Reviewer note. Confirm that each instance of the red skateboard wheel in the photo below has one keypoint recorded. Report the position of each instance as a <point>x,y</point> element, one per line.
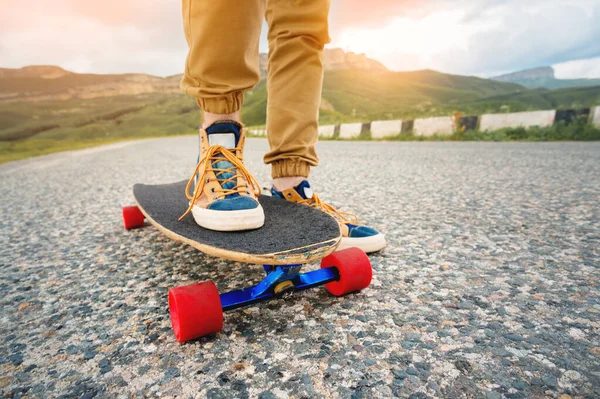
<point>354,268</point>
<point>132,217</point>
<point>195,310</point>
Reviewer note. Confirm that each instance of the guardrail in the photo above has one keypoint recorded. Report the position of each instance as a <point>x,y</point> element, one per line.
<point>447,125</point>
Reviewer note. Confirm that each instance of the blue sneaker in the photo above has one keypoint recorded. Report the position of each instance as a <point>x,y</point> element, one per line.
<point>225,193</point>
<point>353,234</point>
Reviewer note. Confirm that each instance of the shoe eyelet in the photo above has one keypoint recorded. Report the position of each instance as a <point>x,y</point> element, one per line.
<point>289,195</point>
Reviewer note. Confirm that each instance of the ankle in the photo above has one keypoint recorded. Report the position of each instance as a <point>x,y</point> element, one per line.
<point>208,118</point>
<point>284,183</point>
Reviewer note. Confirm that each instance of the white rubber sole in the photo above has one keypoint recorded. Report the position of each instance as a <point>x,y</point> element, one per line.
<point>368,244</point>
<point>246,219</point>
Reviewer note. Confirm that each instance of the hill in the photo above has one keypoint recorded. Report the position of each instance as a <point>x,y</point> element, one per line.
<point>348,95</point>
<point>544,77</point>
<point>337,59</point>
<point>577,97</point>
<point>46,82</point>
<point>359,95</point>
<point>47,108</point>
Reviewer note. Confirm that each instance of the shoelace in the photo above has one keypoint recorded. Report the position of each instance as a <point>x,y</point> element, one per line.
<point>207,161</point>
<point>316,202</point>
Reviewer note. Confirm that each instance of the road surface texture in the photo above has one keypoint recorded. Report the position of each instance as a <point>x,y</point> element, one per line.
<point>489,286</point>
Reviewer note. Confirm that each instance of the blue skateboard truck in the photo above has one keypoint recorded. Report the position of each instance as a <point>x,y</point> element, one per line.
<point>197,309</point>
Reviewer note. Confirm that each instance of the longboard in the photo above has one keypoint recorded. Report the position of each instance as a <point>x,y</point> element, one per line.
<point>292,233</point>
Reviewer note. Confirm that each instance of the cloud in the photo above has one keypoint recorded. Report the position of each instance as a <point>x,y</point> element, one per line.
<point>360,13</point>
<point>480,37</point>
<point>589,68</point>
<point>112,36</point>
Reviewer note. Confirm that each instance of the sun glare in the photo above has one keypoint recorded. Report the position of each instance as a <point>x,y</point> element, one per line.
<point>416,41</point>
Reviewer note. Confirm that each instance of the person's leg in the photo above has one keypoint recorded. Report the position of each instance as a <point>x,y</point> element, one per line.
<point>222,61</point>
<point>298,31</point>
<point>222,64</point>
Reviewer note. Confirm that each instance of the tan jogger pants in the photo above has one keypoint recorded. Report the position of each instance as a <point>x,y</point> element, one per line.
<point>222,63</point>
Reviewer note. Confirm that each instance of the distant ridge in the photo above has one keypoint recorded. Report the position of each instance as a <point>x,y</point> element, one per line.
<point>337,59</point>
<point>34,71</point>
<point>47,82</point>
<point>97,107</point>
<point>533,73</point>
<point>544,77</point>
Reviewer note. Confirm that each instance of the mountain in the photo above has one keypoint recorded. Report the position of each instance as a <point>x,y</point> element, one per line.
<point>571,97</point>
<point>367,95</point>
<point>48,104</point>
<point>39,83</point>
<point>44,82</point>
<point>337,59</point>
<point>34,71</point>
<point>51,103</point>
<point>544,77</point>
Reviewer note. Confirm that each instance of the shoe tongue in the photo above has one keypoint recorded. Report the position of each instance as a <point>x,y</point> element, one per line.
<point>304,189</point>
<point>226,134</point>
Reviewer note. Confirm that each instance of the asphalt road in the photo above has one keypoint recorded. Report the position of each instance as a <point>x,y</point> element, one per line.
<point>489,286</point>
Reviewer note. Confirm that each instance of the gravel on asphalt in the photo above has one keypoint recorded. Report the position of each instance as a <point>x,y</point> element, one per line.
<point>489,286</point>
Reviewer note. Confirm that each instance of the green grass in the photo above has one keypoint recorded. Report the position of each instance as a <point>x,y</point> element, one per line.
<point>100,118</point>
<point>76,124</point>
<point>579,131</point>
<point>559,132</point>
<point>362,96</point>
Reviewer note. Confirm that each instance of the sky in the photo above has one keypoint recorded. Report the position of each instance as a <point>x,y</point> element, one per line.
<point>467,37</point>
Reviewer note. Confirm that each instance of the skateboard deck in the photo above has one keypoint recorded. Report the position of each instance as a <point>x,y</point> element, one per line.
<point>292,233</point>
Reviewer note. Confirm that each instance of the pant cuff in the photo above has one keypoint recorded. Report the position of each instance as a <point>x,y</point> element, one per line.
<point>289,168</point>
<point>222,105</point>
